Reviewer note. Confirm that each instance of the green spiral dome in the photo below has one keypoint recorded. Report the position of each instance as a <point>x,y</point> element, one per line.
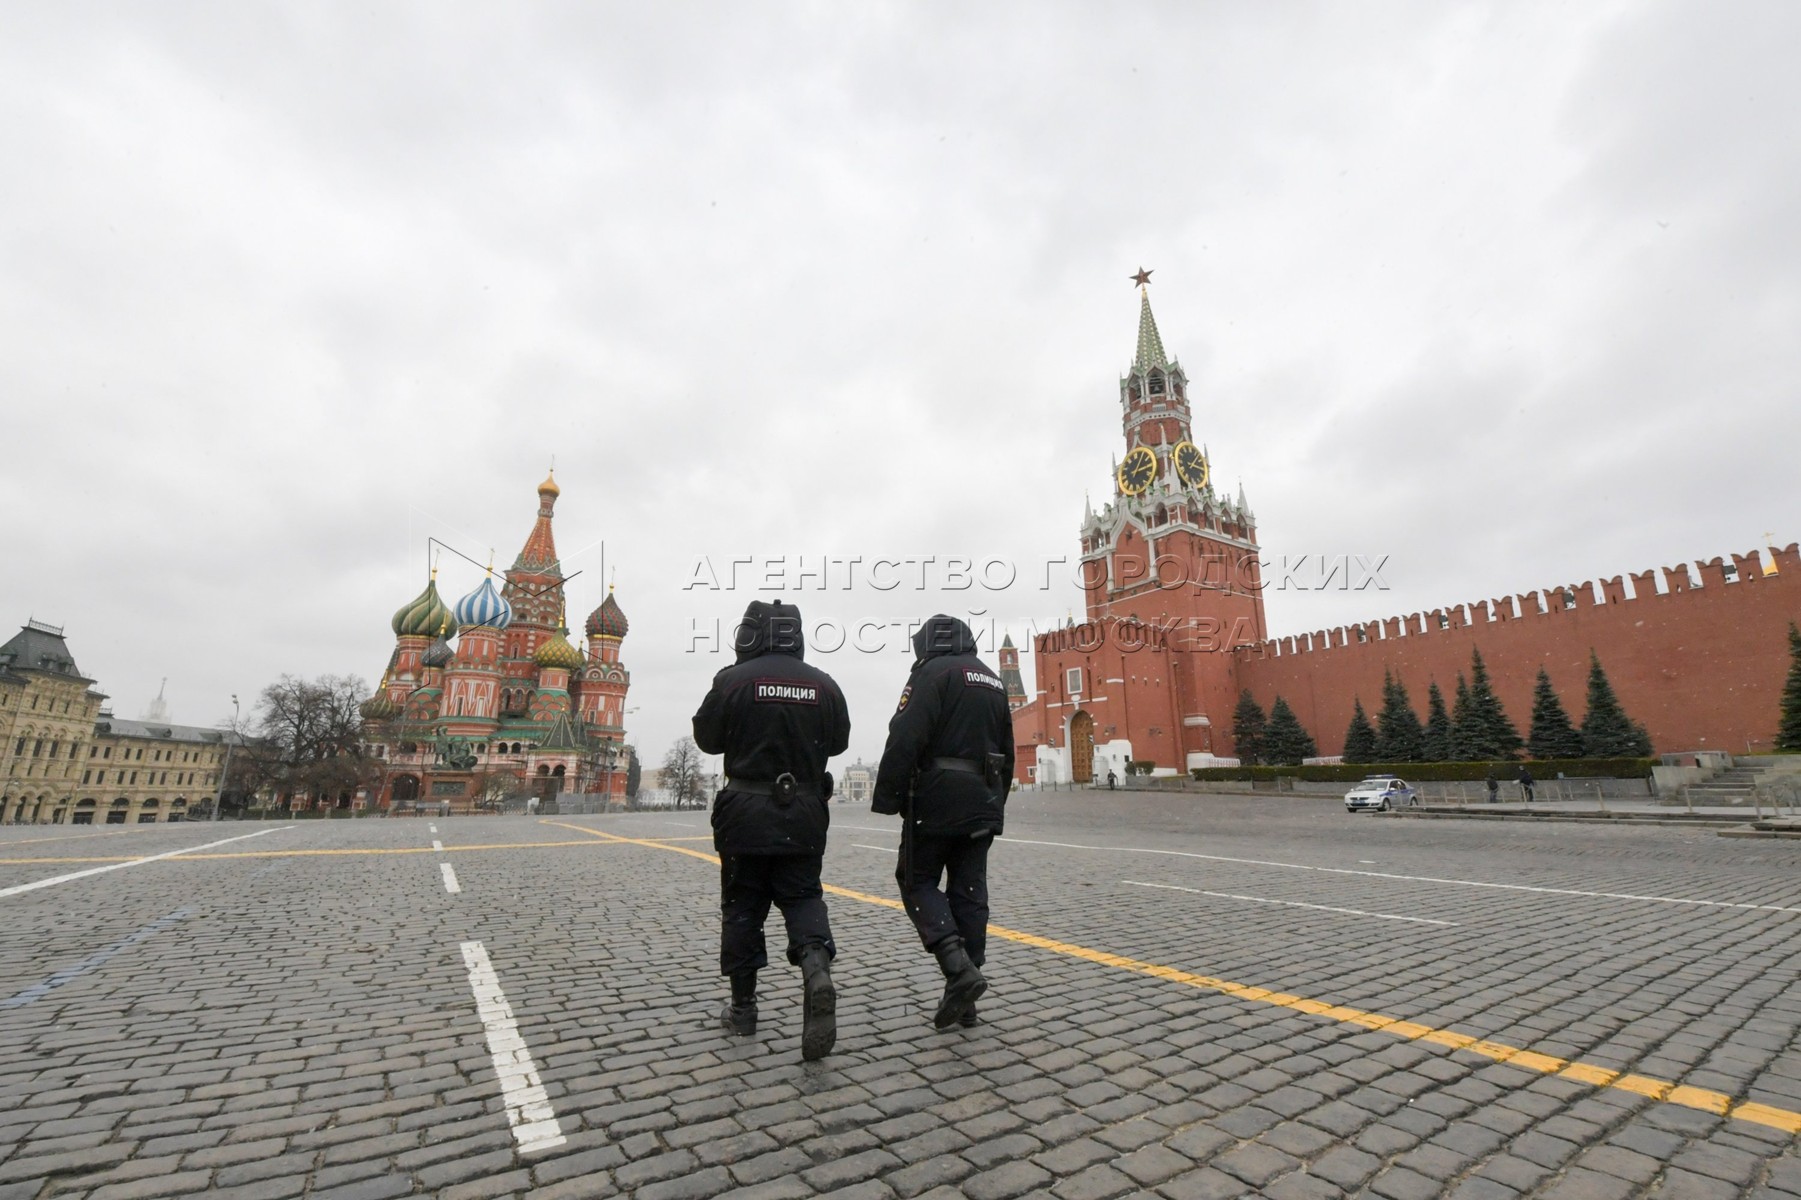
<point>426,616</point>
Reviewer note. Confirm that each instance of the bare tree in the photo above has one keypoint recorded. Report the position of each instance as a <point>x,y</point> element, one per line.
<point>683,774</point>
<point>492,787</point>
<point>309,738</point>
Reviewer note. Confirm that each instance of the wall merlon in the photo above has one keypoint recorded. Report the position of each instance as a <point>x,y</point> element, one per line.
<point>1501,608</point>
<point>1391,628</point>
<point>1713,573</point>
<point>1613,591</point>
<point>1750,566</point>
<point>1531,604</point>
<point>1788,559</point>
<point>1676,579</point>
<point>1644,583</point>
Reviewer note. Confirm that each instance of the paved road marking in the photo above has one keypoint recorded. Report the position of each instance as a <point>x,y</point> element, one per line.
<point>19,889</point>
<point>1353,912</point>
<point>431,829</point>
<point>99,958</point>
<point>324,853</point>
<point>529,1112</point>
<point>1475,883</point>
<point>450,879</point>
<point>1518,1056</point>
<point>76,837</point>
<point>437,845</point>
<point>882,849</point>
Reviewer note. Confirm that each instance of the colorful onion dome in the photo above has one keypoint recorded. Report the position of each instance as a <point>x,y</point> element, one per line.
<point>422,704</point>
<point>484,606</point>
<point>608,620</point>
<point>438,654</point>
<point>549,486</point>
<point>426,615</point>
<point>379,707</point>
<point>557,652</point>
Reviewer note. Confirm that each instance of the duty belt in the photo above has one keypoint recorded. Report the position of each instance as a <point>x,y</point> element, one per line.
<point>968,766</point>
<point>767,787</point>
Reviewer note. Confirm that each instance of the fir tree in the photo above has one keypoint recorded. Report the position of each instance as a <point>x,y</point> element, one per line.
<point>1435,746</point>
<point>1553,736</point>
<point>1494,739</point>
<point>1788,732</point>
<point>1607,732</point>
<point>1402,738</point>
<point>1248,728</point>
<point>1286,741</point>
<point>1464,736</point>
<point>1360,738</point>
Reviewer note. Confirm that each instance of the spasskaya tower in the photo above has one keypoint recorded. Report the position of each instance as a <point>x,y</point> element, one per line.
<point>1170,580</point>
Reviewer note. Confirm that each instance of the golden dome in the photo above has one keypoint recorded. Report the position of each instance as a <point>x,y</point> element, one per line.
<point>549,486</point>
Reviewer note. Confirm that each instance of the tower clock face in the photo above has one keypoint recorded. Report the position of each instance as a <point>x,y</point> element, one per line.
<point>1137,471</point>
<point>1191,465</point>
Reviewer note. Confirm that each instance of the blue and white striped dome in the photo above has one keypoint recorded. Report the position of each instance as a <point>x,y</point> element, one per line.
<point>484,606</point>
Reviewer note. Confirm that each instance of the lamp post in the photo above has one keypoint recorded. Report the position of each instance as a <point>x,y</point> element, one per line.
<point>219,792</point>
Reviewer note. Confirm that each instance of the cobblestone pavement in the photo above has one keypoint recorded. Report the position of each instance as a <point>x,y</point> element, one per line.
<point>1193,997</point>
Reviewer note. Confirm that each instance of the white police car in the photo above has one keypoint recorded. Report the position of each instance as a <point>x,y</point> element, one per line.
<point>1380,792</point>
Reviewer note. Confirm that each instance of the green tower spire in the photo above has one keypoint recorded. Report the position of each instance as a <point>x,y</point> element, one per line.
<point>1150,345</point>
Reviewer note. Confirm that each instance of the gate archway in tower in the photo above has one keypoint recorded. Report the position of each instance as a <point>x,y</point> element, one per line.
<point>1081,748</point>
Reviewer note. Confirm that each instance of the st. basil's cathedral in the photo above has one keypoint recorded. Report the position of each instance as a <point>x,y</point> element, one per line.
<point>512,706</point>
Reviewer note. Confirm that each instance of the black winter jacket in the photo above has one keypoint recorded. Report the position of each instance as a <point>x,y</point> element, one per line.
<point>953,706</point>
<point>769,714</point>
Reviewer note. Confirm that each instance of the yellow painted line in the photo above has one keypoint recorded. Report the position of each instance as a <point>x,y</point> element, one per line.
<point>75,837</point>
<point>1516,1056</point>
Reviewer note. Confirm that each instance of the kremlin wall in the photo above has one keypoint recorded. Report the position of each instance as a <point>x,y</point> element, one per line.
<point>1701,665</point>
<point>1174,628</point>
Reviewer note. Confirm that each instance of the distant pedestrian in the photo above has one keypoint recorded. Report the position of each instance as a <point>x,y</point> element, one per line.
<point>1494,787</point>
<point>1526,783</point>
<point>1112,780</point>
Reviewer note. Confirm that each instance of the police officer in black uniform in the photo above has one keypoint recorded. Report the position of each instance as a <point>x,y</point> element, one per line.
<point>776,720</point>
<point>946,770</point>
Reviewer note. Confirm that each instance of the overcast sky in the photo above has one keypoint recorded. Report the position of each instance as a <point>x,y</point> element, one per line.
<point>1505,293</point>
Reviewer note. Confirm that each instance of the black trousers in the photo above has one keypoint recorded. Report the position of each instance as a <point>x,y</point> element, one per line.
<point>961,909</point>
<point>748,885</point>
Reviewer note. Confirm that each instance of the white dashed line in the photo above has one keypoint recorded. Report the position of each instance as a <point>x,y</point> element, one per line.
<point>18,889</point>
<point>431,829</point>
<point>1475,883</point>
<point>883,849</point>
<point>1349,912</point>
<point>450,879</point>
<point>436,844</point>
<point>534,1122</point>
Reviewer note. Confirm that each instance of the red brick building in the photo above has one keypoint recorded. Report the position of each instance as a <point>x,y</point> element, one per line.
<point>1174,627</point>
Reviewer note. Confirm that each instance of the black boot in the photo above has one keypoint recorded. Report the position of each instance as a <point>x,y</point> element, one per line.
<point>819,1022</point>
<point>963,983</point>
<point>969,1020</point>
<point>740,1013</point>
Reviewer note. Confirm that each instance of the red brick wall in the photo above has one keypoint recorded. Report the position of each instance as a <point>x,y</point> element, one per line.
<point>1701,667</point>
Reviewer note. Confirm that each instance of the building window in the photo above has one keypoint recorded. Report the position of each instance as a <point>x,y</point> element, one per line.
<point>85,774</point>
<point>1072,681</point>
